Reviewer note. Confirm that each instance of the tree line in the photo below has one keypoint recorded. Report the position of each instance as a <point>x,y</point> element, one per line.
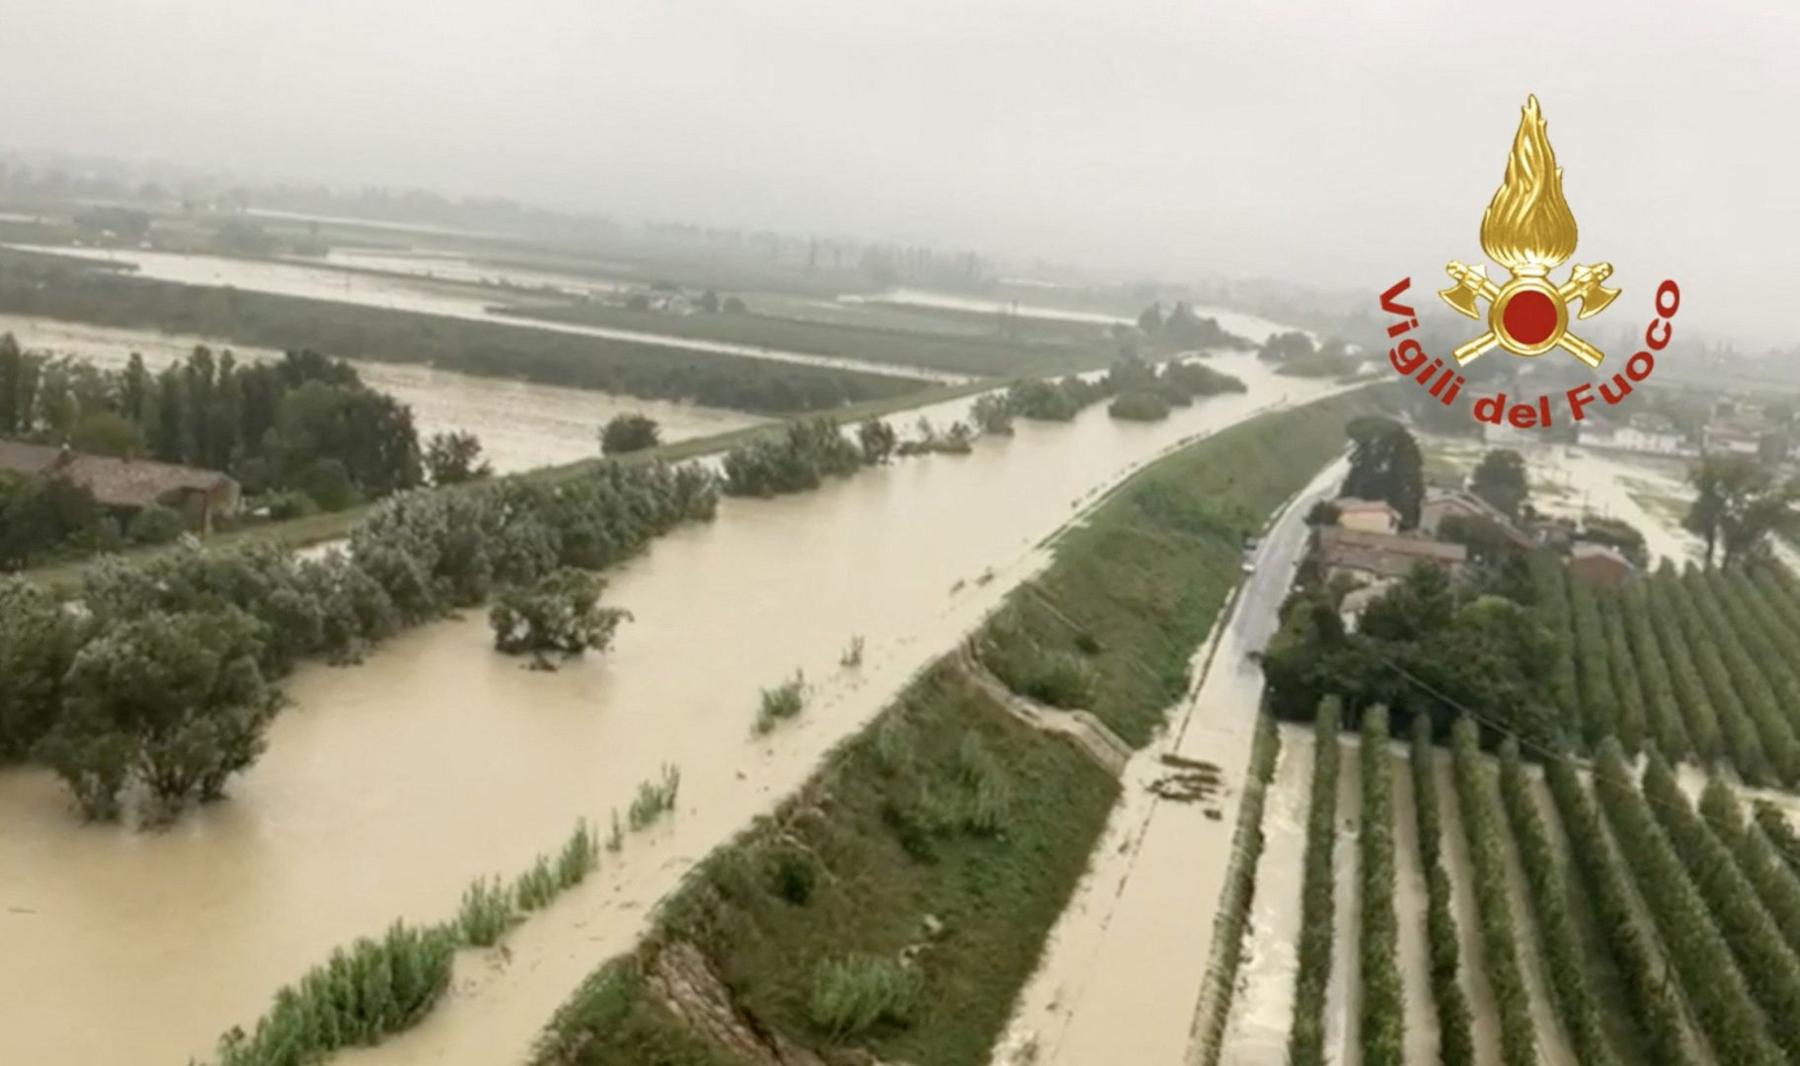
<point>163,686</point>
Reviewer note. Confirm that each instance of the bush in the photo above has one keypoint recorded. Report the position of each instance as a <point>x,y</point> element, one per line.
<point>452,458</point>
<point>376,988</point>
<point>1306,1041</point>
<point>854,994</point>
<point>798,461</point>
<point>780,703</point>
<point>486,913</point>
<point>1139,407</point>
<point>155,524</point>
<point>655,798</point>
<point>794,875</point>
<point>629,433</point>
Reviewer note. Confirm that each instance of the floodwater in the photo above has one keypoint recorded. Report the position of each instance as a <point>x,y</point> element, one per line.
<point>1552,1039</point>
<point>449,266</point>
<point>1253,327</point>
<point>1122,974</point>
<point>406,293</point>
<point>1343,993</point>
<point>1411,900</point>
<point>521,425</point>
<point>389,786</point>
<point>1483,1009</point>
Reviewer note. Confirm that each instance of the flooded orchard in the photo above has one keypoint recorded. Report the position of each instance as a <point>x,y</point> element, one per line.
<point>522,425</point>
<point>389,786</point>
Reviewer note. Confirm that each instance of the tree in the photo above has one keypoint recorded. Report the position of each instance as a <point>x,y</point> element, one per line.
<point>105,433</point>
<point>1150,320</point>
<point>992,413</point>
<point>877,440</point>
<point>174,701</point>
<point>455,457</point>
<point>629,433</point>
<point>559,613</point>
<point>1500,479</point>
<point>1385,464</point>
<point>1738,503</point>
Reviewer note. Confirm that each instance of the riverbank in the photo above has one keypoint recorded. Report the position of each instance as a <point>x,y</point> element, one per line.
<point>947,835</point>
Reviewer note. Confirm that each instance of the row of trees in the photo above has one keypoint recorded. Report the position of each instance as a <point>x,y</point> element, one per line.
<point>1306,1039</point>
<point>1558,941</point>
<point>1715,989</point>
<point>1383,1001</point>
<point>1456,1038</point>
<point>163,686</point>
<point>1144,393</point>
<point>1475,809</point>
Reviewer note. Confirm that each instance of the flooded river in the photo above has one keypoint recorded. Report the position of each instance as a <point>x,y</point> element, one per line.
<point>405,292</point>
<point>1253,327</point>
<point>387,787</point>
<point>521,425</point>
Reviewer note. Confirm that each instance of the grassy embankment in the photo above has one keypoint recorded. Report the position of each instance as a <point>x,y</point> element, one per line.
<point>1056,353</point>
<point>900,899</point>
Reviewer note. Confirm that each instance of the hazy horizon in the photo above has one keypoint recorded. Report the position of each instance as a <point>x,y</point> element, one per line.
<point>1309,143</point>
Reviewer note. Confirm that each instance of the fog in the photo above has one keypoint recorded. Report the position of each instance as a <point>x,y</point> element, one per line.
<point>1343,145</point>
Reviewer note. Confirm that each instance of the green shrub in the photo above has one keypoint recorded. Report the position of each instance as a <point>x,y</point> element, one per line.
<point>536,886</point>
<point>579,856</point>
<point>854,994</point>
<point>780,703</point>
<point>655,798</point>
<point>486,913</point>
<point>794,874</point>
<point>155,524</point>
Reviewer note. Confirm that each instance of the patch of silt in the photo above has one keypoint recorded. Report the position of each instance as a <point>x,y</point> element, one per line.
<point>1186,780</point>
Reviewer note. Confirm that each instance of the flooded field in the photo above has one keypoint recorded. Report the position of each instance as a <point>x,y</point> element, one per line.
<point>521,425</point>
<point>1254,327</point>
<point>389,786</point>
<point>399,292</point>
<point>448,266</point>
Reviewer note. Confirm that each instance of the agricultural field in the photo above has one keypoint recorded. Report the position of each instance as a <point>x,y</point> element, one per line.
<point>1632,896</point>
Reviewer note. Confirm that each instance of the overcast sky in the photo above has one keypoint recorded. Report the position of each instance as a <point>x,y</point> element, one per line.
<point>1346,143</point>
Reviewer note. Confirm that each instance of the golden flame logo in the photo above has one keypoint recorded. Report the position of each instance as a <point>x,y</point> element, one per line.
<point>1528,227</point>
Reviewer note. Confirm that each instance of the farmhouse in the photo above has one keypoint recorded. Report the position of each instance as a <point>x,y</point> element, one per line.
<point>1369,516</point>
<point>1459,503</point>
<point>1370,556</point>
<point>201,496</point>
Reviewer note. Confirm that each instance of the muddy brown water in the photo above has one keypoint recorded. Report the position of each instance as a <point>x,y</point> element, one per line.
<point>521,425</point>
<point>389,786</point>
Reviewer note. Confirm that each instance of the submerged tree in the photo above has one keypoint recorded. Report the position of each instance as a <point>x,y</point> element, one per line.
<point>1739,503</point>
<point>560,613</point>
<point>1500,480</point>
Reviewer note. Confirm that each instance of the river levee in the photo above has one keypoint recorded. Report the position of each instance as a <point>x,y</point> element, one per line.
<point>389,786</point>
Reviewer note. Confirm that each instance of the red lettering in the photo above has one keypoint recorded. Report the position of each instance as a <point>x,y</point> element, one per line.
<point>1393,307</point>
<point>1667,288</point>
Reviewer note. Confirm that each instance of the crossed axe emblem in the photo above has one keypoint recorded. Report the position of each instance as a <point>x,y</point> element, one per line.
<point>1528,315</point>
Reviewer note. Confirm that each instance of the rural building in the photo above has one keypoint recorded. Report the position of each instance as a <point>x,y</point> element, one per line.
<point>1369,516</point>
<point>1644,435</point>
<point>1598,564</point>
<point>1367,556</point>
<point>1460,503</point>
<point>1731,440</point>
<point>130,484</point>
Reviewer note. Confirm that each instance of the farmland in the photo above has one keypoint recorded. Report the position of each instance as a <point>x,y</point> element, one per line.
<point>1589,901</point>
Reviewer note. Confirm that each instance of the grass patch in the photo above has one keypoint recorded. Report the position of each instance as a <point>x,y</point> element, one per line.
<point>782,702</point>
<point>655,798</point>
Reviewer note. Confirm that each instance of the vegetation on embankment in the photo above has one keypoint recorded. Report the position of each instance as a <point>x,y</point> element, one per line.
<point>61,288</point>
<point>981,356</point>
<point>947,836</point>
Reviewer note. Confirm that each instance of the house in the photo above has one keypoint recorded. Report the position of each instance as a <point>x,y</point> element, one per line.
<point>1644,434</point>
<point>1371,557</point>
<point>132,484</point>
<point>1731,440</point>
<point>1370,516</point>
<point>1460,503</point>
<point>1598,564</point>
